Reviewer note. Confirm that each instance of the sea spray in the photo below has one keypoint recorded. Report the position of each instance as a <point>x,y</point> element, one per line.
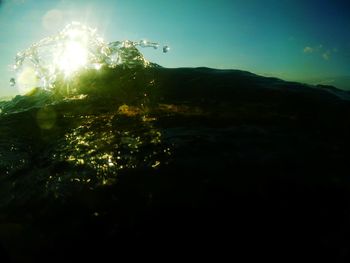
<point>75,48</point>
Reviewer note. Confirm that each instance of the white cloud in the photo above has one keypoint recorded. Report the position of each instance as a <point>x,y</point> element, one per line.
<point>320,50</point>
<point>308,49</point>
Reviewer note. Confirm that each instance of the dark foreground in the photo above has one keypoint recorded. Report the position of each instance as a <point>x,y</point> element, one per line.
<point>175,163</point>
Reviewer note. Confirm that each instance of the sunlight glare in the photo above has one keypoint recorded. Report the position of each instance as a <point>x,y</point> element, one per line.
<point>72,56</point>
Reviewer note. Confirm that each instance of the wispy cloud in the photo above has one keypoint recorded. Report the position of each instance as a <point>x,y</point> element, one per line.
<point>308,49</point>
<point>319,50</point>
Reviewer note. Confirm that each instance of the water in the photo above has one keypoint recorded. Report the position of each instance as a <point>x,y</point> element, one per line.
<point>90,147</point>
<point>75,48</point>
<point>139,155</point>
<point>83,140</point>
<point>148,158</point>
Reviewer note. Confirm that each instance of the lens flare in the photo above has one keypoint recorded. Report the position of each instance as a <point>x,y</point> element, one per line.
<point>27,80</point>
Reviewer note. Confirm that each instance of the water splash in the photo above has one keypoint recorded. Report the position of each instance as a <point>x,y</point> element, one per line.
<point>75,48</point>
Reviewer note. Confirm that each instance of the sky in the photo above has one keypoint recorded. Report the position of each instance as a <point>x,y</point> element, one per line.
<point>290,39</point>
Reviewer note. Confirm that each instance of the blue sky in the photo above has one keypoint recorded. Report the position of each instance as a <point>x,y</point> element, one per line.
<point>291,39</point>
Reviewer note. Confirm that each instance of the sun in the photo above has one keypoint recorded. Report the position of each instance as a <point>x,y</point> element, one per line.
<point>71,58</point>
<point>72,55</point>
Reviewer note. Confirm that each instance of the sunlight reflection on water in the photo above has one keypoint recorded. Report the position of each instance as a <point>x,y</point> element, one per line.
<point>100,149</point>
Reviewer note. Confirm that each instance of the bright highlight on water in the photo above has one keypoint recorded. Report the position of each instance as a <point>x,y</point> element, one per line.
<point>75,48</point>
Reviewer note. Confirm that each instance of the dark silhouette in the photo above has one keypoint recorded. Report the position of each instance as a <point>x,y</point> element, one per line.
<point>187,162</point>
<point>4,256</point>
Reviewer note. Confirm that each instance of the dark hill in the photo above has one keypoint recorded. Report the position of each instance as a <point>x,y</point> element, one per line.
<point>163,163</point>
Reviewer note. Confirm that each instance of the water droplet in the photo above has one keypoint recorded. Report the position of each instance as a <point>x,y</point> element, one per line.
<point>12,82</point>
<point>166,49</point>
<point>157,163</point>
